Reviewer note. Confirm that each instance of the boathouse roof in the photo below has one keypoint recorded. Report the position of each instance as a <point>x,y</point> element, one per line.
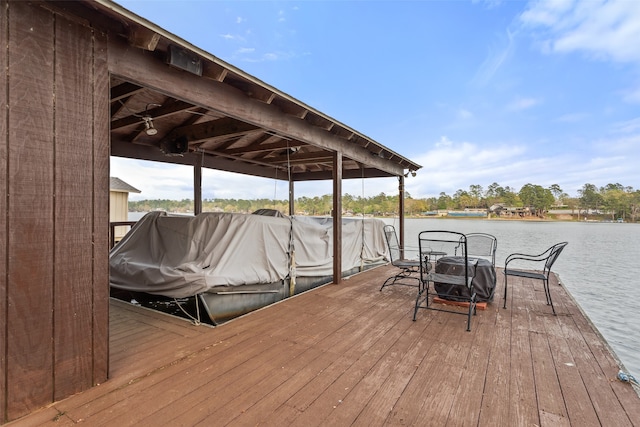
<point>203,117</point>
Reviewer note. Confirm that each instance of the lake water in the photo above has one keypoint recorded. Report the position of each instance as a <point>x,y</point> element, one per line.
<point>600,267</point>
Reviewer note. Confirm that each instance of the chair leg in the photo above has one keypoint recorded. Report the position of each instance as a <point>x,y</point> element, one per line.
<point>422,290</point>
<point>548,295</point>
<point>415,308</point>
<point>385,282</point>
<point>405,274</point>
<point>505,292</point>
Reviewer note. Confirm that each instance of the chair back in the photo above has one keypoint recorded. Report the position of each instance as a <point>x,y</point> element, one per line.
<point>554,253</point>
<point>437,244</point>
<point>482,245</point>
<point>392,243</point>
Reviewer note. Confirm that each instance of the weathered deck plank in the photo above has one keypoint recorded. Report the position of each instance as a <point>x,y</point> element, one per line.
<point>351,355</point>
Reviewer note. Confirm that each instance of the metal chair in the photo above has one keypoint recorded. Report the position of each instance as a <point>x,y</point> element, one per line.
<point>482,245</point>
<point>454,285</point>
<point>548,257</point>
<point>407,266</point>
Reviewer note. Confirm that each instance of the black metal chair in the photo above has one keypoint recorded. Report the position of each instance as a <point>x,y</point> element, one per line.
<point>454,284</point>
<point>548,257</point>
<point>482,245</point>
<point>408,267</point>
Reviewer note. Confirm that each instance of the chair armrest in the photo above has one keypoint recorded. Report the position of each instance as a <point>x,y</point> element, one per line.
<point>528,257</point>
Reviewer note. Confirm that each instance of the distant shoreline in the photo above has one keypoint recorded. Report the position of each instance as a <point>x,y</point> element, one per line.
<point>550,218</point>
<point>554,218</point>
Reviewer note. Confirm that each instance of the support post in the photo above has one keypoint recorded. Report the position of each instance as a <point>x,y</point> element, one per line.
<point>292,208</point>
<point>197,185</point>
<point>401,213</point>
<point>337,217</point>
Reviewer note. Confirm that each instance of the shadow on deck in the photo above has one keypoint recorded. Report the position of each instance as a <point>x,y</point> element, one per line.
<point>351,355</point>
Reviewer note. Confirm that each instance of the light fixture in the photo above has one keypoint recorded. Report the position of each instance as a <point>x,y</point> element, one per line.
<point>413,173</point>
<point>148,126</point>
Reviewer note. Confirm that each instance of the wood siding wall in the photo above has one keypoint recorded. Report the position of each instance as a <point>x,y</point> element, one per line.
<point>54,162</point>
<point>119,211</point>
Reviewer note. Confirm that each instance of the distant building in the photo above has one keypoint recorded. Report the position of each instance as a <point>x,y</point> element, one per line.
<point>119,204</point>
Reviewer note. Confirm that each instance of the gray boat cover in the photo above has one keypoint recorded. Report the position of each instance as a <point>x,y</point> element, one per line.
<point>180,256</point>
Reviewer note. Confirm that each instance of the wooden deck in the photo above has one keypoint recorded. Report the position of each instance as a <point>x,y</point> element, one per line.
<point>351,355</point>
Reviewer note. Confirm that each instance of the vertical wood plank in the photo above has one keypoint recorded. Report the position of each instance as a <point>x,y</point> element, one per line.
<point>4,25</point>
<point>73,208</point>
<point>30,210</point>
<point>101,151</point>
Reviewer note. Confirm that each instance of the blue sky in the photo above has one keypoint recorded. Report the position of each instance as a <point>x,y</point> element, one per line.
<point>513,92</point>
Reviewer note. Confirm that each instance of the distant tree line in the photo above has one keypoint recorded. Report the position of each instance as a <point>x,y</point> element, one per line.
<point>612,200</point>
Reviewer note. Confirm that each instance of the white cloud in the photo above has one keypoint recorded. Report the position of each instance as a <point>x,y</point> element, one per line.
<point>600,28</point>
<point>175,182</point>
<point>632,96</point>
<point>547,12</point>
<point>448,165</point>
<point>572,118</point>
<point>523,104</point>
<point>489,4</point>
<point>465,114</point>
<point>451,165</point>
<point>495,59</point>
<point>627,126</point>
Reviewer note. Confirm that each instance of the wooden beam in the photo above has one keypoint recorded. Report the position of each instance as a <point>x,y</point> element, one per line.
<point>144,38</point>
<point>124,90</point>
<point>263,145</point>
<point>298,158</point>
<point>225,127</point>
<point>155,113</point>
<point>153,73</point>
<point>346,174</point>
<point>145,152</point>
<point>337,217</point>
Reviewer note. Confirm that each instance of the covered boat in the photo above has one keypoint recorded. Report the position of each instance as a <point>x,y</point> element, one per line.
<point>236,263</point>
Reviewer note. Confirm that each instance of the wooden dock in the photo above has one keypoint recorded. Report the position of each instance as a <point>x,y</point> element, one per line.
<point>350,355</point>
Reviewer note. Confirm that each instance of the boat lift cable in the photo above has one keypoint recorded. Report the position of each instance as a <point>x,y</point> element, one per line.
<point>292,251</point>
<point>195,320</point>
